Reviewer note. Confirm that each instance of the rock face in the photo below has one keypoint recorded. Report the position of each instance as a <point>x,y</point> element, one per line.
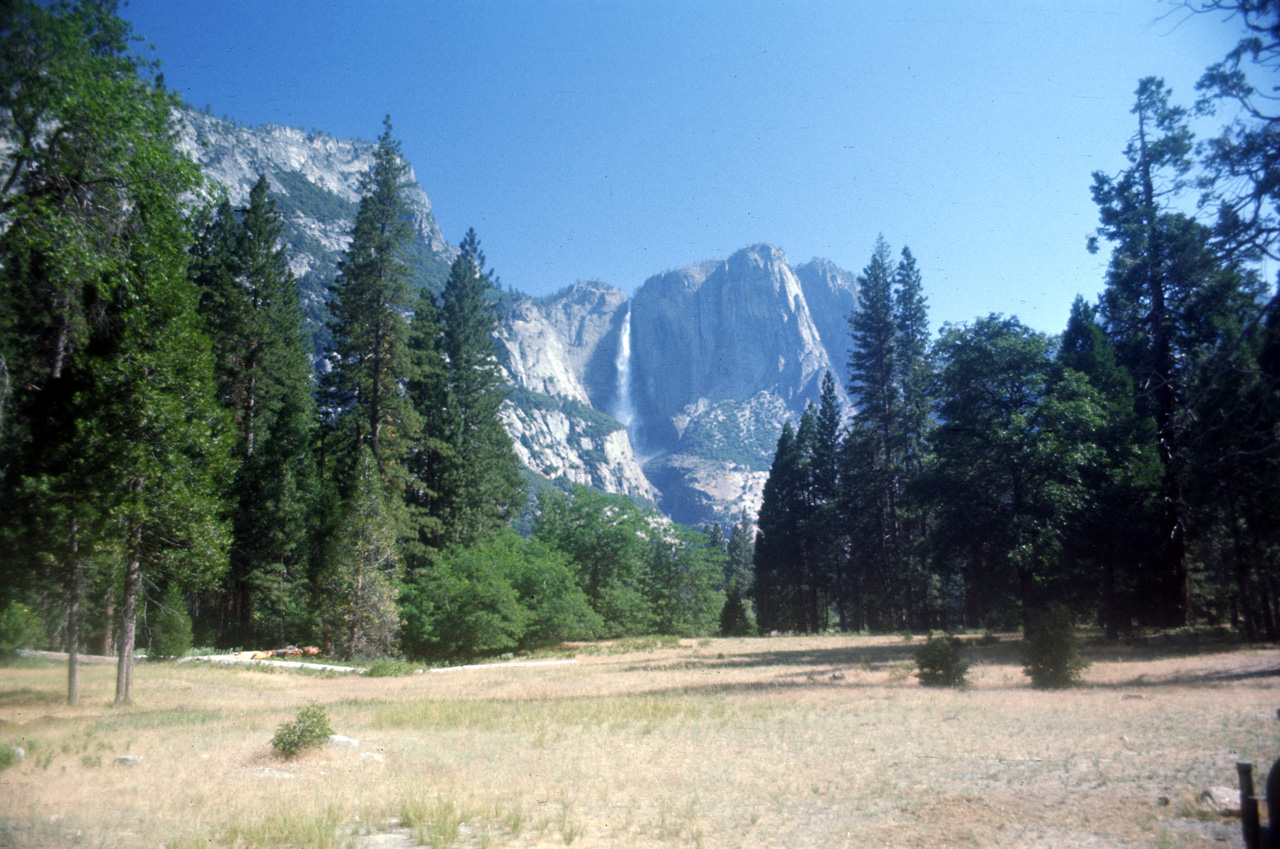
<point>720,331</point>
<point>698,372</point>
<point>315,181</point>
<point>676,395</point>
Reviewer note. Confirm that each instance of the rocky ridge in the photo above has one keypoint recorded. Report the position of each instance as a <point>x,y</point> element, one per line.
<point>675,395</point>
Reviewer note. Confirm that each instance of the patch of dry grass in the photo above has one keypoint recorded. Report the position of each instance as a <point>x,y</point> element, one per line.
<point>782,742</point>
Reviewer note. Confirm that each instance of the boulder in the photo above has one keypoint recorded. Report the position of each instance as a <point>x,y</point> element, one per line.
<point>346,742</point>
<point>1224,801</point>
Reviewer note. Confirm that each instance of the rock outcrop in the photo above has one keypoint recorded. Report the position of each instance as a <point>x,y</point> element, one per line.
<point>676,395</point>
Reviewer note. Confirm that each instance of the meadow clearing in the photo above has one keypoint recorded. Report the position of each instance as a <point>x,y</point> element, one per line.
<point>821,741</point>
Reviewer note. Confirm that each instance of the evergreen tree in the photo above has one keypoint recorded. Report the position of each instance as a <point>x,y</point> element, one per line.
<point>478,480</point>
<point>370,300</point>
<point>361,569</point>
<point>779,548</point>
<point>740,552</point>
<point>824,528</point>
<point>426,386</point>
<point>886,444</point>
<point>1109,532</point>
<point>252,312</point>
<point>1164,285</point>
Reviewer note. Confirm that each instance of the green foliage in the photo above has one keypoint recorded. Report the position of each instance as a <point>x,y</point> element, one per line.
<point>1017,433</point>
<point>370,300</point>
<point>734,619</point>
<point>497,595</point>
<point>940,663</point>
<point>1051,649</point>
<point>684,578</point>
<point>249,301</point>
<point>170,626</point>
<point>385,667</point>
<point>362,565</point>
<point>308,730</point>
<point>477,474</point>
<point>606,537</point>
<point>20,628</point>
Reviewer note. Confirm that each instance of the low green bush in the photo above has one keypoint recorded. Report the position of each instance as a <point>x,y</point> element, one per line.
<point>385,667</point>
<point>19,629</point>
<point>9,756</point>
<point>1051,650</point>
<point>309,729</point>
<point>939,662</point>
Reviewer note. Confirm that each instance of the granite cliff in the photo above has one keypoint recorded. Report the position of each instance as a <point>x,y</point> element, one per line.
<point>675,395</point>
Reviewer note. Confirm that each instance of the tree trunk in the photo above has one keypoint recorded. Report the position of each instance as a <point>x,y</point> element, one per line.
<point>74,591</point>
<point>108,627</point>
<point>128,619</point>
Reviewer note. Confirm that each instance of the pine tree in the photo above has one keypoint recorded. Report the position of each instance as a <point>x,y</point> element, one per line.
<point>1160,293</point>
<point>362,567</point>
<point>779,547</point>
<point>741,553</point>
<point>370,300</point>
<point>478,483</point>
<point>875,468</point>
<point>252,311</point>
<point>1109,530</point>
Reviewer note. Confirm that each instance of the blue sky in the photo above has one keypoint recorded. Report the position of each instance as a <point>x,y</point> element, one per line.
<point>616,140</point>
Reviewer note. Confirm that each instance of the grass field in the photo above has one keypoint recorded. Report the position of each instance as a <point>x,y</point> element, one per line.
<point>782,742</point>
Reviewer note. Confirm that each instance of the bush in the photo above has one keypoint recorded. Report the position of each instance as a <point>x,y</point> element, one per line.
<point>310,728</point>
<point>939,662</point>
<point>9,756</point>
<point>1051,650</point>
<point>385,667</point>
<point>19,629</point>
<point>171,627</point>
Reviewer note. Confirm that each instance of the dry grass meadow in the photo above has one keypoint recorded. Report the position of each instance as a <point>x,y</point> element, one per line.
<point>782,742</point>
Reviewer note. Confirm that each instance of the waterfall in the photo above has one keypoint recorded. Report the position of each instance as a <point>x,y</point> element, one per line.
<point>622,409</point>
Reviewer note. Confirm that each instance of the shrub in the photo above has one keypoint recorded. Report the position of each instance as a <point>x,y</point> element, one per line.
<point>987,639</point>
<point>1051,650</point>
<point>939,662</point>
<point>310,728</point>
<point>19,629</point>
<point>385,667</point>
<point>171,626</point>
<point>9,756</point>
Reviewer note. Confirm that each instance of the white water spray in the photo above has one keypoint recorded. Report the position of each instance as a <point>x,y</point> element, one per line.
<point>623,411</point>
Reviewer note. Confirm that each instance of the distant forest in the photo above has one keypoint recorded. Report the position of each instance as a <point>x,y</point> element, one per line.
<point>174,473</point>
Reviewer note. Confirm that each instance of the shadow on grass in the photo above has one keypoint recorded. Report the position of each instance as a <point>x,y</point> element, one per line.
<point>826,666</point>
<point>28,697</point>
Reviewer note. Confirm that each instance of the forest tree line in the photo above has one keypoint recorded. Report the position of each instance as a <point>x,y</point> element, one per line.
<point>1128,467</point>
<point>175,469</point>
